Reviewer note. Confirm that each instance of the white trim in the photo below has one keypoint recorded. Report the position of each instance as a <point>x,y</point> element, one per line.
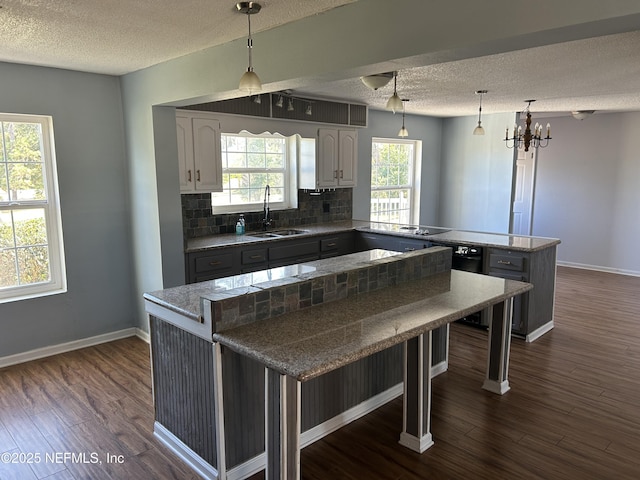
<point>195,461</point>
<point>142,335</point>
<point>67,347</point>
<point>316,433</point>
<point>538,332</point>
<point>583,266</point>
<point>495,386</point>
<point>418,445</point>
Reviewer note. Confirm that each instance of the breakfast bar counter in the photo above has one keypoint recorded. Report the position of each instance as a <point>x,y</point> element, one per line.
<point>247,370</point>
<point>303,345</point>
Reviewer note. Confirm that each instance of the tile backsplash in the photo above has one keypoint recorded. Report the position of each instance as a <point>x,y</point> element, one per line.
<point>198,220</point>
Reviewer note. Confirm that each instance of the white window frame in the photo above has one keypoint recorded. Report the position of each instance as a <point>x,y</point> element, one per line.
<point>290,187</point>
<point>414,177</point>
<point>51,204</point>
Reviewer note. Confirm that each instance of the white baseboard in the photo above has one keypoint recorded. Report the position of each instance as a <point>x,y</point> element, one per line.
<point>187,455</point>
<point>258,462</point>
<point>70,346</point>
<point>537,333</point>
<point>597,268</point>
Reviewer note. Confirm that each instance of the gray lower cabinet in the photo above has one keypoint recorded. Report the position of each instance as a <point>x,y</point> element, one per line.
<point>233,260</point>
<point>208,265</point>
<point>534,309</point>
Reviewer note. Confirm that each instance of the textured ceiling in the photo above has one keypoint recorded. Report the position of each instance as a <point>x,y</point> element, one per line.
<point>600,74</point>
<point>120,36</point>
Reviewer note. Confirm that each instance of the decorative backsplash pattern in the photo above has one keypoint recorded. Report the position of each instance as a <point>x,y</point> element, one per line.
<point>330,206</point>
<point>231,309</point>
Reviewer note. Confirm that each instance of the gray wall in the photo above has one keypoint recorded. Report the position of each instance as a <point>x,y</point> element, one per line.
<point>453,30</point>
<point>588,191</point>
<point>386,125</point>
<point>476,174</point>
<point>89,144</point>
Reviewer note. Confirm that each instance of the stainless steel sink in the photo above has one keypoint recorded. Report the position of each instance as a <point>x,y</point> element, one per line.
<point>277,233</point>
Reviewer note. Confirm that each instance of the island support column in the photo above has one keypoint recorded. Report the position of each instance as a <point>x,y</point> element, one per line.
<point>499,345</point>
<point>282,426</point>
<point>416,422</point>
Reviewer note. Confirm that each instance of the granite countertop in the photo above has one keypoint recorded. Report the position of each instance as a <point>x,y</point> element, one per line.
<point>185,299</point>
<point>431,233</point>
<point>313,341</point>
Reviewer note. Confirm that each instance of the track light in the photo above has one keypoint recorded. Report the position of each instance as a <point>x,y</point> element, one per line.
<point>290,106</point>
<point>249,82</point>
<point>280,102</point>
<point>308,111</point>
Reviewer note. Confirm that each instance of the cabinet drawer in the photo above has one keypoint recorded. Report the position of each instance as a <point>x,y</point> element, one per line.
<point>214,262</point>
<point>508,275</point>
<point>329,244</point>
<point>254,256</point>
<point>294,250</point>
<point>507,262</point>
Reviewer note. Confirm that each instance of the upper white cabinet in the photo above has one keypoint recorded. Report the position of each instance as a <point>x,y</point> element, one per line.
<point>199,154</point>
<point>336,159</point>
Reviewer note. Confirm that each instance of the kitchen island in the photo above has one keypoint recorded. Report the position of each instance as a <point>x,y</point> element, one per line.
<point>323,327</point>
<point>517,257</point>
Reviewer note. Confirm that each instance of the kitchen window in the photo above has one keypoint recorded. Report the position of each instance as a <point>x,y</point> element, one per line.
<point>250,163</point>
<point>394,176</point>
<point>31,247</point>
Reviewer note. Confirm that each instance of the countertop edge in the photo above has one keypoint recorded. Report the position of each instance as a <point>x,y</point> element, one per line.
<point>233,240</point>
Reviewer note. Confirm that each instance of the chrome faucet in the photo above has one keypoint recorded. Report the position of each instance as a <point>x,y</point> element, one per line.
<point>266,221</point>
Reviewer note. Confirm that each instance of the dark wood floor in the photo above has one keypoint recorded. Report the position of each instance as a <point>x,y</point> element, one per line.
<point>573,411</point>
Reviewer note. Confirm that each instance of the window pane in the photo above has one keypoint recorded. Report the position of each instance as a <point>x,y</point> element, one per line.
<point>8,270</point>
<point>275,145</point>
<point>236,160</point>
<point>26,181</point>
<point>22,141</point>
<point>275,161</point>
<point>236,144</point>
<point>256,160</point>
<point>33,265</point>
<point>255,145</point>
<point>6,229</point>
<point>4,186</point>
<point>30,227</point>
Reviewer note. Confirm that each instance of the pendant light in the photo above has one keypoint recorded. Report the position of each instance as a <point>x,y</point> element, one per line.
<point>249,82</point>
<point>403,131</point>
<point>479,130</point>
<point>394,103</point>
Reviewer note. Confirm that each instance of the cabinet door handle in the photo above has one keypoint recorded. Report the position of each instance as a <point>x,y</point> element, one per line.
<point>331,244</point>
<point>335,174</point>
<point>214,263</point>
<point>341,173</point>
<point>189,175</point>
<point>409,249</point>
<point>504,262</point>
<point>255,257</point>
<point>198,175</point>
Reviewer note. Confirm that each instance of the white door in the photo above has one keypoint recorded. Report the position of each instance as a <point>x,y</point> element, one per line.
<point>522,213</point>
<point>347,157</point>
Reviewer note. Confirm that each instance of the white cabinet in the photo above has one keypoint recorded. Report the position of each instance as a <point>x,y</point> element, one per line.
<point>336,160</point>
<point>199,154</point>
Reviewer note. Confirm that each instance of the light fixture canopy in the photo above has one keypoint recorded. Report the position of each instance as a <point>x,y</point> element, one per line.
<point>249,82</point>
<point>403,131</point>
<point>479,130</point>
<point>379,80</point>
<point>395,102</point>
<point>582,114</point>
<point>526,139</point>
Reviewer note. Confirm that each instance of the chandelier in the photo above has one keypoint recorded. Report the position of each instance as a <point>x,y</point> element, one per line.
<point>527,138</point>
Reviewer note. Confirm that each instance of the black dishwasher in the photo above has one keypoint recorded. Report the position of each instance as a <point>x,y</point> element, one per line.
<point>469,259</point>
